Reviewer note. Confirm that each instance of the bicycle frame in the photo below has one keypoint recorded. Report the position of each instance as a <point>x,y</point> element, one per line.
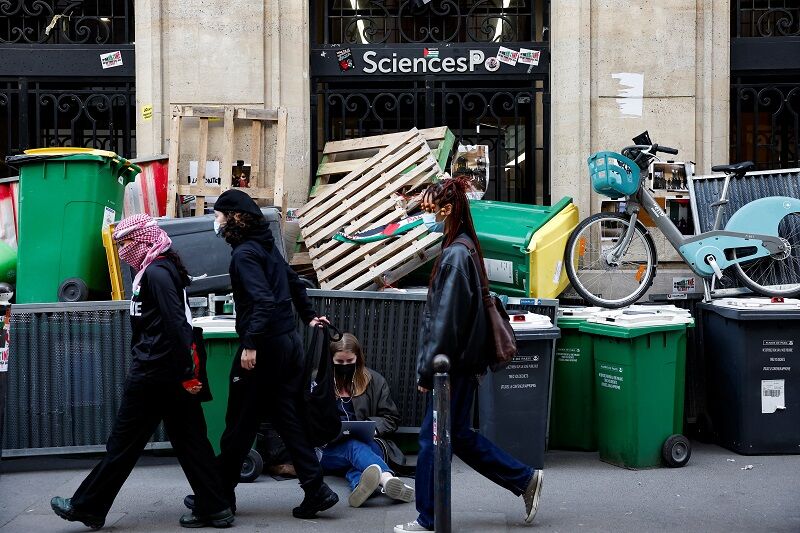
<point>708,254</point>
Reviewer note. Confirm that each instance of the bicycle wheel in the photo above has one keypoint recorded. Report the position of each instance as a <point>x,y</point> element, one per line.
<point>599,281</point>
<point>776,275</point>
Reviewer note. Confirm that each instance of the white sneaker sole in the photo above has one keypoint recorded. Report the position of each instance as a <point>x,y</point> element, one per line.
<point>397,490</point>
<point>536,494</point>
<point>370,479</point>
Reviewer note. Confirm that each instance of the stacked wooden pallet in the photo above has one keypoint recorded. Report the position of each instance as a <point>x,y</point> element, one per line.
<point>339,158</point>
<point>381,189</point>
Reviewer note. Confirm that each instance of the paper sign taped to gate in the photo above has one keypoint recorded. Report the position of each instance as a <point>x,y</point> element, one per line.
<point>500,271</point>
<point>773,395</point>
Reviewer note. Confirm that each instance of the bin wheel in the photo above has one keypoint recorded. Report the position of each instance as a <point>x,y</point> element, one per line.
<point>73,290</point>
<point>676,451</point>
<point>252,467</point>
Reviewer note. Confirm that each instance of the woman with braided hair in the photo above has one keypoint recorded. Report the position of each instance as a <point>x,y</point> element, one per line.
<point>454,324</point>
<point>162,384</point>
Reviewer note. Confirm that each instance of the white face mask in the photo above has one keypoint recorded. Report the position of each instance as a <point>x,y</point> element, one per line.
<point>429,219</point>
<point>218,228</point>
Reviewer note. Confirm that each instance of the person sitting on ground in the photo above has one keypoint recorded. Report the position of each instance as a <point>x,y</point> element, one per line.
<point>362,394</point>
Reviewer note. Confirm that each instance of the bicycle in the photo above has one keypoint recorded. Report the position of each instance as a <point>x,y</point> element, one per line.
<point>611,259</point>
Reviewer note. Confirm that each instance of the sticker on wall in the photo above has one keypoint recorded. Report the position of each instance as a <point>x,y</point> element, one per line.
<point>492,64</point>
<point>345,59</point>
<point>431,53</point>
<point>529,57</point>
<point>111,59</point>
<point>147,112</point>
<point>630,95</point>
<point>683,285</point>
<point>507,56</point>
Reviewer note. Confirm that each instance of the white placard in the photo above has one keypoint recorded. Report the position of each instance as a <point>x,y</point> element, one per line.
<point>773,395</point>
<point>111,59</point>
<point>500,271</point>
<point>212,172</point>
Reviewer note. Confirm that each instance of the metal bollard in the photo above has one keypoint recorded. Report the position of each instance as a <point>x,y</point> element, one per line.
<point>441,441</point>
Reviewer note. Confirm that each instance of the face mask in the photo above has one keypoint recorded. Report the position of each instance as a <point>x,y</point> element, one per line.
<point>344,373</point>
<point>218,228</point>
<point>133,253</point>
<point>429,219</point>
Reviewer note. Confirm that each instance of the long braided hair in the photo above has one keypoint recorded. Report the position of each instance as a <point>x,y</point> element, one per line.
<point>453,191</point>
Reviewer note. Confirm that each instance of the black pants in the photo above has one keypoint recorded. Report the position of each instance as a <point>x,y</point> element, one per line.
<point>144,405</point>
<point>274,390</point>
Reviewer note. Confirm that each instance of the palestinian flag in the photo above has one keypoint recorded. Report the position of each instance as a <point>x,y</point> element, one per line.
<point>380,233</point>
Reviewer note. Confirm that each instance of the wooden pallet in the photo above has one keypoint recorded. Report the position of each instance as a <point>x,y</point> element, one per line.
<point>374,193</point>
<point>341,157</point>
<point>258,118</point>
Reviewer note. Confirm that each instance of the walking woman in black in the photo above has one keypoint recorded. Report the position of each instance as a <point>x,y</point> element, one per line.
<point>162,384</point>
<point>267,373</point>
<point>455,324</point>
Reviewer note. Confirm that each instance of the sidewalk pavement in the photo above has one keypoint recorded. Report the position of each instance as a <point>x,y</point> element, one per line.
<point>713,493</point>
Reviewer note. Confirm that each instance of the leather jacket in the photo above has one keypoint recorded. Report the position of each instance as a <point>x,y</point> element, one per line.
<point>454,320</point>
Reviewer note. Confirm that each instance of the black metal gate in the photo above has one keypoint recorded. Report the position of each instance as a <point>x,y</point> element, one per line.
<point>765,83</point>
<point>509,112</point>
<point>55,89</point>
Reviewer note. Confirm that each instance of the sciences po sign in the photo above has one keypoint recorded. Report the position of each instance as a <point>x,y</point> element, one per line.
<point>442,60</point>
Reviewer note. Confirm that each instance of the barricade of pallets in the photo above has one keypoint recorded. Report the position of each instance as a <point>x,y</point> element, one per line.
<point>379,190</point>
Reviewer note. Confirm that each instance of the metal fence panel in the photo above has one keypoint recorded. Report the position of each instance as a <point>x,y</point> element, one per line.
<point>67,368</point>
<point>388,327</point>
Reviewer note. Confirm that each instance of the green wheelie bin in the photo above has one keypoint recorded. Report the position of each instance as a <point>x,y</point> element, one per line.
<point>639,377</point>
<point>222,343</point>
<point>66,197</point>
<point>573,422</point>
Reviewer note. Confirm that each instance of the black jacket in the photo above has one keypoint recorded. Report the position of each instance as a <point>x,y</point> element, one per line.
<point>162,337</point>
<point>376,404</point>
<point>454,320</point>
<point>264,286</point>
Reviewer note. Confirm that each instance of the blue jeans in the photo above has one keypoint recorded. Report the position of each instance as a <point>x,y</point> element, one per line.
<point>470,446</point>
<point>350,457</point>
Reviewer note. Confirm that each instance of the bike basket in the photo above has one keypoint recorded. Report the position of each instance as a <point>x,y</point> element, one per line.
<point>613,174</point>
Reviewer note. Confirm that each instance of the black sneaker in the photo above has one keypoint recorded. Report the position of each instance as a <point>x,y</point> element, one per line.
<point>221,519</point>
<point>324,498</point>
<point>188,501</point>
<point>63,508</point>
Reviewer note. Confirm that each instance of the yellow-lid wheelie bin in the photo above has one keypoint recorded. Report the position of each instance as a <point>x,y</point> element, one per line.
<point>66,196</point>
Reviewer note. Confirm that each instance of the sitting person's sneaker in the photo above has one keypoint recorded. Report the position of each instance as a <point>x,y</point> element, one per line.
<point>63,508</point>
<point>221,519</point>
<point>411,526</point>
<point>370,479</point>
<point>397,490</point>
<point>188,501</point>
<point>531,495</point>
<point>323,498</point>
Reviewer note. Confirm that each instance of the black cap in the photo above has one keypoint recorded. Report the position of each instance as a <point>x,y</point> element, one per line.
<point>237,201</point>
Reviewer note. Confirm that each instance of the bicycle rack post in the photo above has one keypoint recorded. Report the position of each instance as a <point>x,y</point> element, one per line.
<point>441,442</point>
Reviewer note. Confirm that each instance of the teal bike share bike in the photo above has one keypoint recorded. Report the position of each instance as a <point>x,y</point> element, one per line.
<point>611,258</point>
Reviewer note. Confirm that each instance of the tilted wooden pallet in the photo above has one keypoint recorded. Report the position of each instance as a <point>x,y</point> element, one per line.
<point>341,157</point>
<point>379,191</point>
<point>258,188</point>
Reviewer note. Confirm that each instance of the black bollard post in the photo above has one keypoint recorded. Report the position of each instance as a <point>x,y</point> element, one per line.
<point>441,442</point>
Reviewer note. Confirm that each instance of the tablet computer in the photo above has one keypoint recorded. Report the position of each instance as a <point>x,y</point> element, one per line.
<point>363,430</point>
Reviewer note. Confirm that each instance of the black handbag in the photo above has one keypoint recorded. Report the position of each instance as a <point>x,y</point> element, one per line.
<point>322,415</point>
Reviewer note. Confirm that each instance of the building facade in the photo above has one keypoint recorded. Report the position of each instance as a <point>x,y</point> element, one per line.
<point>542,84</point>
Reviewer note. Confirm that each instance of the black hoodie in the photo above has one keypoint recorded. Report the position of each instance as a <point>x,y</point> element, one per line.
<point>264,287</point>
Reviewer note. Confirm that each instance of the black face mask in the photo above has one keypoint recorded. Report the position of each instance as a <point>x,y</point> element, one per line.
<point>344,373</point>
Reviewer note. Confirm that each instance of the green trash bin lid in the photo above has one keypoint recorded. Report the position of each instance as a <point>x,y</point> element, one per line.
<point>501,225</point>
<point>608,330</point>
<point>216,327</point>
<point>37,155</point>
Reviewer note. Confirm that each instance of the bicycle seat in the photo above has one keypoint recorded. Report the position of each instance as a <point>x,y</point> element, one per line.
<point>736,168</point>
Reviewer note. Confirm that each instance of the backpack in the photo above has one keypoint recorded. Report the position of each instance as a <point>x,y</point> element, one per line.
<point>323,423</point>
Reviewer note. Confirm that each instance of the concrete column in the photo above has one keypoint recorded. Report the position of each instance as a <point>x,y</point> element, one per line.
<point>570,89</point>
<point>149,134</point>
